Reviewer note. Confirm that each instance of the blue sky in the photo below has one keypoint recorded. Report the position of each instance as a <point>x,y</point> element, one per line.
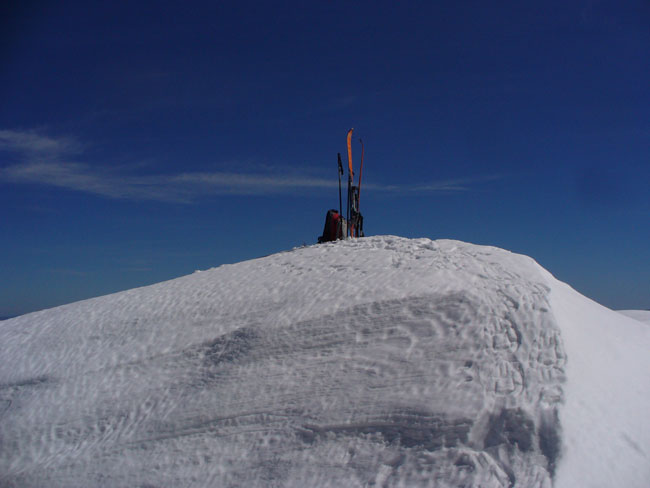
<point>144,140</point>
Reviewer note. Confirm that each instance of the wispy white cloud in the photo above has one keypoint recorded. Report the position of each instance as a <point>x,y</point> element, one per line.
<point>50,161</point>
<point>442,186</point>
<point>85,178</point>
<point>257,183</point>
<point>33,143</point>
<point>182,188</point>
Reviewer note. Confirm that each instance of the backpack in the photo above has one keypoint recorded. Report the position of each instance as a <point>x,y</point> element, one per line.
<point>335,227</point>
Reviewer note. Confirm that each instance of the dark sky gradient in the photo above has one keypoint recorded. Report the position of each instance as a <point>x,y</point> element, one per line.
<point>140,141</point>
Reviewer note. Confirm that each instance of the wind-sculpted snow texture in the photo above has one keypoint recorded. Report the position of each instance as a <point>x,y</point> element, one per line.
<point>375,362</point>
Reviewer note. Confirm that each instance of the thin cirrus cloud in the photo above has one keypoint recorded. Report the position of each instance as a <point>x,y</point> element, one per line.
<point>32,142</point>
<point>180,188</point>
<point>45,160</point>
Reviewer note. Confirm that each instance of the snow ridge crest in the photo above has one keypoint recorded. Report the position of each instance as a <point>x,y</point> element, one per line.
<point>384,360</point>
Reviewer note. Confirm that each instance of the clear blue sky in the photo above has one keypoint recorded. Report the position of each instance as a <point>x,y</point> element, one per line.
<point>140,141</point>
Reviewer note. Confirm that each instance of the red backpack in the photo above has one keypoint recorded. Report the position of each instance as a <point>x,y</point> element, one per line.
<point>334,227</point>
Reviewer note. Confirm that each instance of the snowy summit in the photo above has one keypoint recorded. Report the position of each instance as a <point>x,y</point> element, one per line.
<point>381,361</point>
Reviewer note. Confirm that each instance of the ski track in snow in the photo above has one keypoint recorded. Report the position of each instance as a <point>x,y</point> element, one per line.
<point>375,362</point>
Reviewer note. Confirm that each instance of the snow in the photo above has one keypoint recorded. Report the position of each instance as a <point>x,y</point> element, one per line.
<point>640,315</point>
<point>605,418</point>
<point>380,361</point>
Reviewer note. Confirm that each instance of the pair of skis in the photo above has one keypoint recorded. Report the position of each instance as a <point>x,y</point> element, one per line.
<point>354,217</point>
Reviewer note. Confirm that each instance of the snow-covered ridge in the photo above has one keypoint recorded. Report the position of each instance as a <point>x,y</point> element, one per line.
<point>640,315</point>
<point>382,361</point>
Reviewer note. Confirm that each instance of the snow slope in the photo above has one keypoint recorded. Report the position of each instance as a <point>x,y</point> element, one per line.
<point>374,362</point>
<point>640,315</point>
